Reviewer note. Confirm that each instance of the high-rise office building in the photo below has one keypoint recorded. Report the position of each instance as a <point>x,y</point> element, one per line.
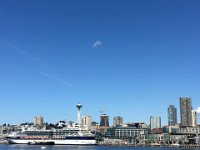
<point>86,122</point>
<point>198,115</point>
<point>38,120</point>
<point>186,111</point>
<point>155,122</point>
<point>117,121</point>
<point>172,115</point>
<point>104,120</point>
<point>194,118</point>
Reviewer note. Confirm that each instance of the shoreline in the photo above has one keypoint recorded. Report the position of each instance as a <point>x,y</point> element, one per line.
<point>133,145</point>
<point>148,145</point>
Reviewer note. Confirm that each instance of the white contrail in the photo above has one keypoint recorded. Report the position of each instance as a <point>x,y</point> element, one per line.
<point>26,54</point>
<point>59,80</point>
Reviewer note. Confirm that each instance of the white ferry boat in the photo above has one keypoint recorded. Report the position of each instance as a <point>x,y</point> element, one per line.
<point>69,135</point>
<point>51,137</point>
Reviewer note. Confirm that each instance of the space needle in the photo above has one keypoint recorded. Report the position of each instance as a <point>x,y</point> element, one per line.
<point>79,106</point>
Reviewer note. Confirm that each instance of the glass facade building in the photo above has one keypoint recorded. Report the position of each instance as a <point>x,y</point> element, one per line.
<point>155,122</point>
<point>172,115</point>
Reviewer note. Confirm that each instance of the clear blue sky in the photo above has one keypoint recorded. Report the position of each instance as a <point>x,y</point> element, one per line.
<point>131,58</point>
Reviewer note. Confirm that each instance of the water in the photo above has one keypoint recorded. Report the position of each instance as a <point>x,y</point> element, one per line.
<point>67,147</point>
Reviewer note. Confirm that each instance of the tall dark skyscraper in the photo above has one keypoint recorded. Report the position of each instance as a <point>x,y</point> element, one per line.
<point>172,115</point>
<point>104,120</point>
<point>186,111</point>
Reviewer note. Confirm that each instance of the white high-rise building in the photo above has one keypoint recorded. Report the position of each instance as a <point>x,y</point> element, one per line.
<point>155,122</point>
<point>86,122</point>
<point>198,115</point>
<point>194,118</point>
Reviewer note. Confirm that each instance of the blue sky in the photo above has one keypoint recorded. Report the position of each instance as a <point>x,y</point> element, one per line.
<point>131,58</point>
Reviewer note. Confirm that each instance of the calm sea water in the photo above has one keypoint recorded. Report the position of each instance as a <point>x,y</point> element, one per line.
<point>66,147</point>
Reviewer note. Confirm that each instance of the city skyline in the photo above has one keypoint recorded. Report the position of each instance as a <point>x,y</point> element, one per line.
<point>155,121</point>
<point>131,59</point>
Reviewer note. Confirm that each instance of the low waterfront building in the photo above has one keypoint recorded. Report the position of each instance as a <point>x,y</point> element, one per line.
<point>160,138</point>
<point>7,129</point>
<point>178,139</point>
<point>170,129</point>
<point>135,133</point>
<point>186,135</point>
<point>191,134</point>
<point>189,130</point>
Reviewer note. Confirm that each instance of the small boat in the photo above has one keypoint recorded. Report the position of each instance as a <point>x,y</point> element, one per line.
<point>43,147</point>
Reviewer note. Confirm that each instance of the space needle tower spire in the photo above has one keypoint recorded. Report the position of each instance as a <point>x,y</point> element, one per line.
<point>79,106</point>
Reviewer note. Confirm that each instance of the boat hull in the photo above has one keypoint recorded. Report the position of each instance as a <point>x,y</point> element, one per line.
<point>56,142</point>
